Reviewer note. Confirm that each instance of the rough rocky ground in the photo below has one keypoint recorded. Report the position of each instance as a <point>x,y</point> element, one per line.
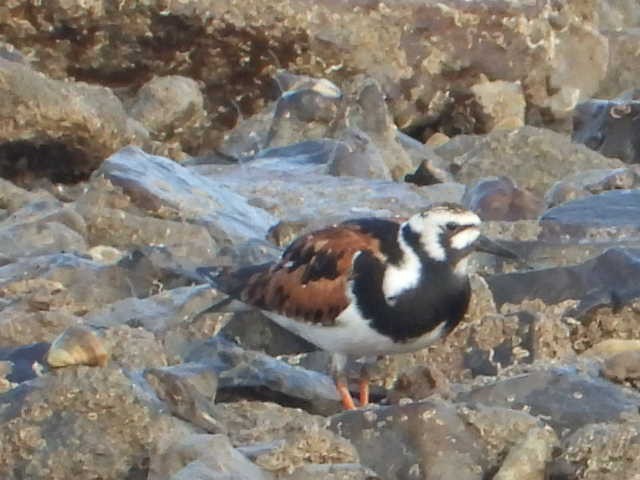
<point>140,140</point>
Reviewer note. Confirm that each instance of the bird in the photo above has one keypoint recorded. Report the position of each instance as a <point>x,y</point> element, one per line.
<point>368,286</point>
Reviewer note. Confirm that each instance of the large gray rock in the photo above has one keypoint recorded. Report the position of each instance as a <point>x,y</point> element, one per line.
<point>43,295</point>
<point>282,440</point>
<point>438,439</point>
<point>605,217</point>
<point>608,279</point>
<point>499,199</point>
<point>414,441</point>
<point>564,397</point>
<point>172,110</point>
<point>617,15</point>
<point>623,61</point>
<point>247,374</point>
<point>533,158</point>
<point>288,183</point>
<point>167,190</point>
<point>202,457</point>
<point>173,316</point>
<point>189,390</point>
<point>590,182</point>
<point>600,452</point>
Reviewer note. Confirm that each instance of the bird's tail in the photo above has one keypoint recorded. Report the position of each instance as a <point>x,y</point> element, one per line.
<point>212,275</point>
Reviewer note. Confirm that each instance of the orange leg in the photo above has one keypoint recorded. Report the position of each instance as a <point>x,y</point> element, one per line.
<point>343,390</point>
<point>364,386</point>
<point>364,392</point>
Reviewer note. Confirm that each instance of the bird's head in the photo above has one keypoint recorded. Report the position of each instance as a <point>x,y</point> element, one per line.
<point>447,232</point>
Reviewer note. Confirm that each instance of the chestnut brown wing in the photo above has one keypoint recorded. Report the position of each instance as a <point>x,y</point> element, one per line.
<point>310,280</point>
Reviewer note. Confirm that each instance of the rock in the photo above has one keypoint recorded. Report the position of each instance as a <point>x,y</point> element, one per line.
<point>13,198</point>
<point>173,316</point>
<point>246,374</point>
<point>21,325</point>
<point>77,346</point>
<point>502,102</point>
<point>370,114</point>
<point>600,451</point>
<point>62,130</point>
<point>564,397</point>
<point>590,182</point>
<point>50,290</point>
<point>202,457</point>
<point>32,240</point>
<point>189,390</point>
<point>357,156</point>
<point>414,440</point>
<point>133,348</point>
<point>287,187</point>
<point>574,77</point>
<point>608,127</point>
<point>112,219</point>
<point>292,438</point>
<point>515,153</point>
<point>167,190</point>
<point>38,225</point>
<point>623,366</point>
<point>500,199</point>
<point>84,419</point>
<point>607,349</point>
<point>622,57</point>
<point>597,218</point>
<point>529,459</point>
<point>172,109</point>
<point>506,431</point>
<point>486,347</point>
<point>610,278</point>
<point>305,110</point>
<point>617,15</point>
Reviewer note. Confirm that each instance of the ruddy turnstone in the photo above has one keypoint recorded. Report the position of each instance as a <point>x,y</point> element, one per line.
<point>369,286</point>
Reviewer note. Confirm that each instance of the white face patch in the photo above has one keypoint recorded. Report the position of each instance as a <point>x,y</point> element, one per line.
<point>465,238</point>
<point>433,223</point>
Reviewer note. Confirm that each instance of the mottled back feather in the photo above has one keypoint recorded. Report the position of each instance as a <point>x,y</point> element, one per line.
<point>309,282</point>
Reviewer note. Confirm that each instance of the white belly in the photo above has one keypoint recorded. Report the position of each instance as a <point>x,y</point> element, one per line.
<point>351,335</point>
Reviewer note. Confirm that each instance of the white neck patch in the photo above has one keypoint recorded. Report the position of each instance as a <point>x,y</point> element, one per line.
<point>399,278</point>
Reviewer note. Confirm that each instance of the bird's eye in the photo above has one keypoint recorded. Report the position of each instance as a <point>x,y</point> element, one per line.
<point>451,226</point>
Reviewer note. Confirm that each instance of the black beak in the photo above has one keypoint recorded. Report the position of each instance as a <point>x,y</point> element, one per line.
<point>485,244</point>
